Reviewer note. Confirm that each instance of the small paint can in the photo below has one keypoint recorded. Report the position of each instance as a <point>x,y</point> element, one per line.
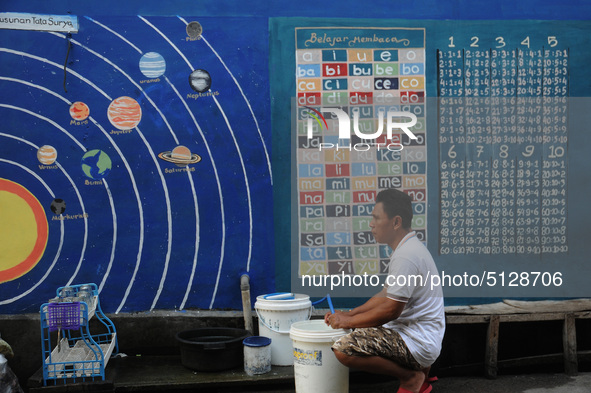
<point>257,355</point>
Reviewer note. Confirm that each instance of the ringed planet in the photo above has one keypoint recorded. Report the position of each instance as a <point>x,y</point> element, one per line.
<point>180,155</point>
<point>23,230</point>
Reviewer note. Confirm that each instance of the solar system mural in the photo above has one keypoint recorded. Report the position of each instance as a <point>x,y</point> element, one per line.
<point>135,154</point>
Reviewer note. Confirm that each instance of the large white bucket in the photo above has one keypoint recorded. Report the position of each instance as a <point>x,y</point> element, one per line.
<point>316,368</point>
<point>276,314</point>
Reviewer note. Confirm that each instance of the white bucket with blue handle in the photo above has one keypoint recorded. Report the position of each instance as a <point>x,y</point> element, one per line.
<point>276,313</point>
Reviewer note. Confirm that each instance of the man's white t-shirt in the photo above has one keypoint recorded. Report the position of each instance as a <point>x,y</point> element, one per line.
<point>422,322</point>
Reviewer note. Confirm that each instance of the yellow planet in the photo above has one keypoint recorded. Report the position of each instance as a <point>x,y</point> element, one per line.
<point>47,155</point>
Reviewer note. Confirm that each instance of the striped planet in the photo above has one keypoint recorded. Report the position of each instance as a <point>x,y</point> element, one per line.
<point>47,155</point>
<point>124,113</point>
<point>152,65</point>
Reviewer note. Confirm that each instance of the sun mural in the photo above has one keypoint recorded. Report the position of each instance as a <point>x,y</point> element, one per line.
<point>23,230</point>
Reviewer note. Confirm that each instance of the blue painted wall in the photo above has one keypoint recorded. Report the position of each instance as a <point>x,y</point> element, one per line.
<point>151,234</point>
<point>425,9</point>
<point>154,236</point>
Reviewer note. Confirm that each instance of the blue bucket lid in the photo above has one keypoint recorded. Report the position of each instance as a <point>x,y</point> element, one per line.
<point>279,296</point>
<point>256,341</point>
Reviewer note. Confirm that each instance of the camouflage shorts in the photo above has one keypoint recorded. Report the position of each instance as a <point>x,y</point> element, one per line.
<point>377,341</point>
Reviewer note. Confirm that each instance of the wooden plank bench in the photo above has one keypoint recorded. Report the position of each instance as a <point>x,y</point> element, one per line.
<point>567,311</point>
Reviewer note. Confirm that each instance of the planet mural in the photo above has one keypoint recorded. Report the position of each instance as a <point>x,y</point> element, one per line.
<point>23,230</point>
<point>47,155</point>
<point>124,113</point>
<point>152,65</point>
<point>200,81</point>
<point>58,206</point>
<point>96,164</point>
<point>180,155</point>
<point>79,111</point>
<point>194,30</point>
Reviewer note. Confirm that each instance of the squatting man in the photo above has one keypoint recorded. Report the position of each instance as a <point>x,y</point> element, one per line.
<point>399,331</point>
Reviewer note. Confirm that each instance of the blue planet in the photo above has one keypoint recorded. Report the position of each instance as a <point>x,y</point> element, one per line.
<point>152,65</point>
<point>96,164</point>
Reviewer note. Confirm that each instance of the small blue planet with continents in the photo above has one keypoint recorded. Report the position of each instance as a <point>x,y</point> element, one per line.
<point>152,65</point>
<point>96,164</point>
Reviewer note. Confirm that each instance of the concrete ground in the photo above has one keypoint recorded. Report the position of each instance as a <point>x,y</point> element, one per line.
<point>534,383</point>
<point>531,383</point>
<point>166,374</point>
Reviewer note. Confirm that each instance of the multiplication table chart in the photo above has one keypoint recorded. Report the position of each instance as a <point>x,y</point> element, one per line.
<point>503,141</point>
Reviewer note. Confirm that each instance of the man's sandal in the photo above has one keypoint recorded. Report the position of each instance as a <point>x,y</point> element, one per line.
<point>425,388</point>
